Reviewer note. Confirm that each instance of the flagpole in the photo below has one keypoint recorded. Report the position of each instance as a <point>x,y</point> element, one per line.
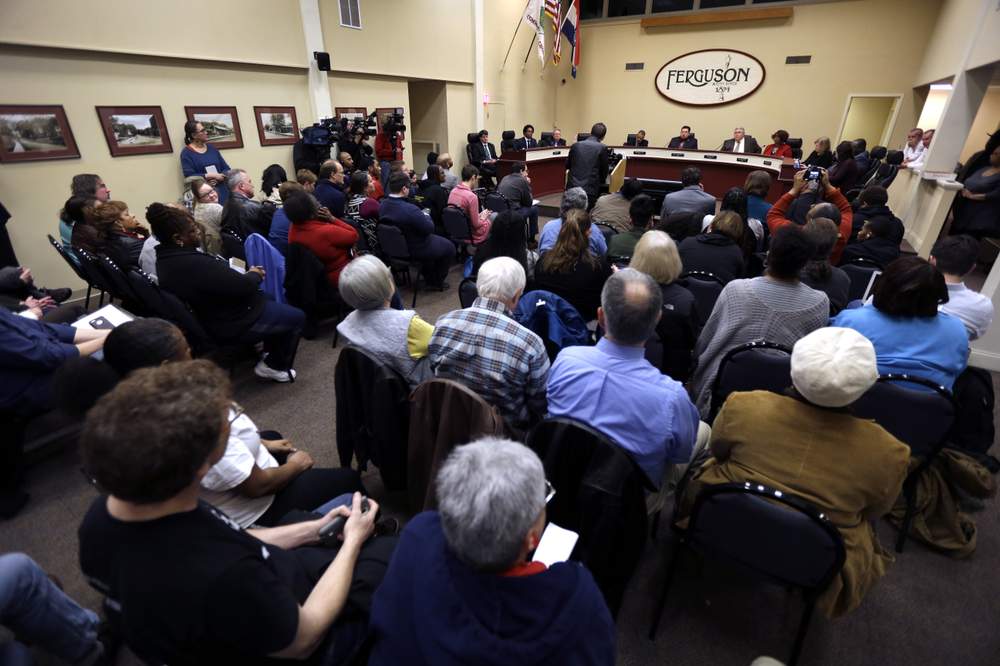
<point>514,36</point>
<point>528,54</point>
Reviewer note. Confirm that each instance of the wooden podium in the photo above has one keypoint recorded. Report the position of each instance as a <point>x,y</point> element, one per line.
<point>546,167</point>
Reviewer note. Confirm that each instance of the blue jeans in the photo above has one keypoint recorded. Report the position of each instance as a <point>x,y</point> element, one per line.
<point>340,500</point>
<point>278,326</point>
<point>39,612</point>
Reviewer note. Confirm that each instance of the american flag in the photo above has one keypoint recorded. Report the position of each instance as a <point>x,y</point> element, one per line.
<point>552,10</point>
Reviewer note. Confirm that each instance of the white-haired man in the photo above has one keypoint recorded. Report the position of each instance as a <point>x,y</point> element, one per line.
<point>485,349</point>
<point>460,588</point>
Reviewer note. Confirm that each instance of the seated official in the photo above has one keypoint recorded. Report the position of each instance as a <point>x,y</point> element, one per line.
<point>484,157</point>
<point>527,139</point>
<point>873,202</point>
<point>845,172</point>
<point>805,201</point>
<point>574,198</point>
<point>484,348</point>
<point>464,197</point>
<point>207,213</point>
<point>779,145</point>
<point>434,194</point>
<point>570,270</point>
<point>238,596</point>
<point>613,209</point>
<point>955,257</point>
<point>330,187</point>
<point>718,251</point>
<point>875,242</point>
<point>111,230</point>
<point>640,140</point>
<point>397,338</point>
<point>640,213</point>
<point>685,140</point>
<point>691,199</point>
<point>807,443</point>
<point>435,252</point>
<point>280,224</point>
<point>819,273</point>
<point>507,239</point>
<point>460,588</point>
<point>740,143</point>
<point>903,322</point>
<point>516,188</point>
<point>332,240</point>
<point>615,390</point>
<point>656,255</point>
<point>248,484</point>
<point>242,213</point>
<point>821,155</point>
<point>230,306</point>
<point>776,307</point>
<point>360,202</point>
<point>555,141</point>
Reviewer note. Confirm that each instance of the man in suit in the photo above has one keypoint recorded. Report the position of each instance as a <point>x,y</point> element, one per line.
<point>588,164</point>
<point>740,143</point>
<point>640,140</point>
<point>556,139</point>
<point>528,140</point>
<point>435,252</point>
<point>692,199</point>
<point>484,157</point>
<point>686,140</point>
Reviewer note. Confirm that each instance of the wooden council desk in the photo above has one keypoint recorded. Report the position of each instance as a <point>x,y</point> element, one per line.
<point>719,171</point>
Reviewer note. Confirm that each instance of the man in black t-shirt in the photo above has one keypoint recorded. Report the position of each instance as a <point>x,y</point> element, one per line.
<point>191,585</point>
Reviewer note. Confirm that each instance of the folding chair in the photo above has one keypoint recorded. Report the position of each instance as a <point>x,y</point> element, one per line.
<point>755,366</point>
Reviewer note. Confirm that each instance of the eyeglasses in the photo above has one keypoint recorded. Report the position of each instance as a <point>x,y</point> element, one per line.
<point>237,412</point>
<point>550,492</point>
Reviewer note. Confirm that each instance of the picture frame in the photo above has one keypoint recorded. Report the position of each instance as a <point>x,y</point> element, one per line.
<point>134,130</point>
<point>30,133</point>
<point>276,125</point>
<point>221,122</point>
<point>352,112</point>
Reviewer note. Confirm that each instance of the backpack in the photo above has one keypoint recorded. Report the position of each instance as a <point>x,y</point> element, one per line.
<point>973,430</point>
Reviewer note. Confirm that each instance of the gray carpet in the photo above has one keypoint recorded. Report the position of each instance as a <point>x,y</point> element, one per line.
<point>929,609</point>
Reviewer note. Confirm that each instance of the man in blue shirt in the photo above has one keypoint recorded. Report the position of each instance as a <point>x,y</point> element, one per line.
<point>329,189</point>
<point>574,197</point>
<point>435,252</point>
<point>614,389</point>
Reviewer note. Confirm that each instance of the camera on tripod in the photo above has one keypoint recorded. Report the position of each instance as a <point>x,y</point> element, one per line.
<point>394,123</point>
<point>335,130</point>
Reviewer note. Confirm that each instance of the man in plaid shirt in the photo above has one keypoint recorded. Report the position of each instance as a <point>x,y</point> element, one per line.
<point>485,349</point>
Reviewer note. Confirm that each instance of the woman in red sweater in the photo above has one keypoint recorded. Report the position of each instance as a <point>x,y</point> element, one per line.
<point>331,241</point>
<point>779,146</point>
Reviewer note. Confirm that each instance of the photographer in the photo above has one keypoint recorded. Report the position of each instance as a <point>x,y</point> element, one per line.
<point>389,143</point>
<point>812,187</point>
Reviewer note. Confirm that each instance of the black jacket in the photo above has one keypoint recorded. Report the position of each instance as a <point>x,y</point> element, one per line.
<point>225,302</point>
<point>582,287</point>
<point>550,143</point>
<point>478,153</point>
<point>435,198</point>
<point>246,216</point>
<point>690,143</point>
<point>825,160</point>
<point>588,166</point>
<point>750,145</point>
<point>524,143</point>
<point>862,215</point>
<point>712,252</point>
<point>883,251</point>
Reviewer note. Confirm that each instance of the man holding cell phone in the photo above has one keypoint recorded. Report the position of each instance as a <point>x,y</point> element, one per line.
<point>818,199</point>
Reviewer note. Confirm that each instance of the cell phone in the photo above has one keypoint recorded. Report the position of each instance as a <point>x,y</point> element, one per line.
<point>814,173</point>
<point>101,324</point>
<point>329,533</point>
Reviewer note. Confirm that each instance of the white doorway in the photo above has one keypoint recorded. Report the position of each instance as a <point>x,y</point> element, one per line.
<point>869,117</point>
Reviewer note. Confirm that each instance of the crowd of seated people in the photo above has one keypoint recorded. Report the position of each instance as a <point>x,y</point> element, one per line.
<point>264,583</point>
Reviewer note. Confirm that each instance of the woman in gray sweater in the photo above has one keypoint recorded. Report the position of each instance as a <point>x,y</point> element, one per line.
<point>776,307</point>
<point>397,338</point>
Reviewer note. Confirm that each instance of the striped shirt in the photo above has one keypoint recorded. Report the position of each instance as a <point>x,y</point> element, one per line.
<point>485,349</point>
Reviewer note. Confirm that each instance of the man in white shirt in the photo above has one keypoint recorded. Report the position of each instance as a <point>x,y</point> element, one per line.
<point>925,141</point>
<point>914,148</point>
<point>955,257</point>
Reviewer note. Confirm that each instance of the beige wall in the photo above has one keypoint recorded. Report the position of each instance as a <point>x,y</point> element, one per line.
<point>952,31</point>
<point>35,191</point>
<point>930,115</point>
<point>867,117</point>
<point>461,116</point>
<point>372,92</point>
<point>987,122</point>
<point>260,31</point>
<point>806,100</point>
<point>427,39</point>
<point>428,122</point>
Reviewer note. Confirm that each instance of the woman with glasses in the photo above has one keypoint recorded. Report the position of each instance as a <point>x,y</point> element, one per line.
<point>201,158</point>
<point>462,587</point>
<point>207,213</point>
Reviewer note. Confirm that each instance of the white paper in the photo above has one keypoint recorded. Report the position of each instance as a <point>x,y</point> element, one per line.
<point>237,265</point>
<point>112,314</point>
<point>210,170</point>
<point>535,202</point>
<point>556,545</point>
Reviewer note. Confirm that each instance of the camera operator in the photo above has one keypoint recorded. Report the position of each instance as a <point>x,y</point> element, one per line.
<point>355,146</point>
<point>389,143</point>
<point>813,196</point>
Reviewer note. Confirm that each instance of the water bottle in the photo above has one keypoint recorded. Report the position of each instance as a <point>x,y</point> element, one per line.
<point>797,164</point>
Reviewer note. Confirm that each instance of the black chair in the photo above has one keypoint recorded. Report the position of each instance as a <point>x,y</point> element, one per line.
<point>606,229</point>
<point>161,303</point>
<point>473,139</point>
<point>887,171</point>
<point>546,139</point>
<point>771,534</point>
<point>122,287</point>
<point>397,253</point>
<point>705,287</point>
<point>582,136</point>
<point>75,266</point>
<point>921,419</point>
<point>307,287</point>
<point>496,202</point>
<point>796,146</point>
<point>467,292</point>
<point>458,227</point>
<point>233,244</point>
<point>629,140</point>
<point>507,141</point>
<point>599,495</point>
<point>90,265</point>
<point>681,225</point>
<point>671,349</point>
<point>755,366</point>
<point>860,271</point>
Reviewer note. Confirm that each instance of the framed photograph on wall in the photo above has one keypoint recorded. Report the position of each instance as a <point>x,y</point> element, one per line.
<point>350,112</point>
<point>134,130</point>
<point>31,133</point>
<point>276,125</point>
<point>221,122</point>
